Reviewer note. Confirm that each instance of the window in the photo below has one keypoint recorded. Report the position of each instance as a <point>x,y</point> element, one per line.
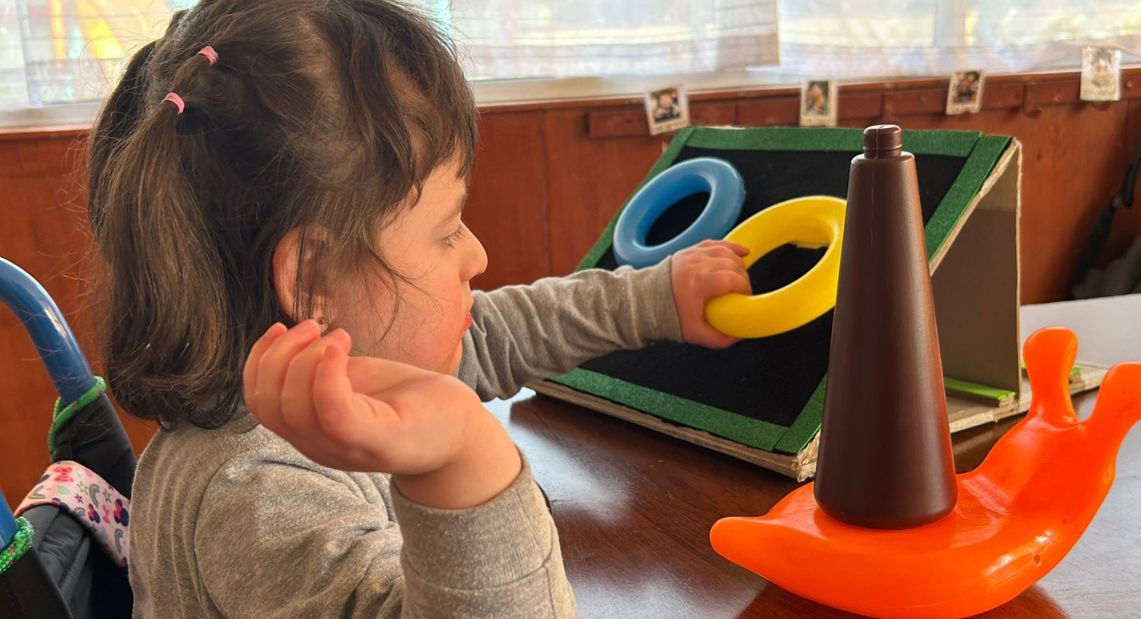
<point>65,51</point>
<point>846,39</point>
<point>504,39</point>
<point>69,51</point>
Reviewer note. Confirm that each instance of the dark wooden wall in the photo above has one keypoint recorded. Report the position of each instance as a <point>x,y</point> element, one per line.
<point>561,171</point>
<point>551,175</point>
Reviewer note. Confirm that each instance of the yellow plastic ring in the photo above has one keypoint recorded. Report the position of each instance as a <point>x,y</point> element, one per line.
<point>811,222</point>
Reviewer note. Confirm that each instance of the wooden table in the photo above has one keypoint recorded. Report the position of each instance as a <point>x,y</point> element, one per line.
<point>634,508</point>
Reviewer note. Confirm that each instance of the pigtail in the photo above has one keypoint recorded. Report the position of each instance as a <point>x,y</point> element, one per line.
<point>162,354</point>
<point>119,116</point>
<point>117,120</point>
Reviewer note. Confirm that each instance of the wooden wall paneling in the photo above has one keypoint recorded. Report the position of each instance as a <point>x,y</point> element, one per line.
<point>507,201</point>
<point>1054,92</point>
<point>1075,160</point>
<point>905,102</point>
<point>713,114</point>
<point>1130,86</point>
<point>1071,155</point>
<point>617,123</point>
<point>589,179</point>
<point>41,201</point>
<point>35,239</point>
<point>1002,95</point>
<point>1127,223</point>
<point>770,111</point>
<point>1071,152</point>
<point>859,105</point>
<point>631,121</point>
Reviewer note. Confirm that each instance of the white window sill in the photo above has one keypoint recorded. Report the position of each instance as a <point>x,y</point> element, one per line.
<point>48,116</point>
<point>523,91</point>
<point>489,92</point>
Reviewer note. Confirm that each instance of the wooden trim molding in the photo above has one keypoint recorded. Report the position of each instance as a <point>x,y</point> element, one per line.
<point>875,100</point>
<point>13,134</point>
<point>623,116</point>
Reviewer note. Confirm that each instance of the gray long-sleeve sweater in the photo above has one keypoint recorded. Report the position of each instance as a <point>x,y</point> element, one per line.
<point>234,522</point>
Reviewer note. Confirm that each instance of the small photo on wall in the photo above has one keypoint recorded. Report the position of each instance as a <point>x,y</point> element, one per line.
<point>667,109</point>
<point>818,103</point>
<point>965,94</point>
<point>1101,74</point>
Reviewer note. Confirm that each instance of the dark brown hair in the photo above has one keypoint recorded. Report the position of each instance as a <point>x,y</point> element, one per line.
<point>319,115</point>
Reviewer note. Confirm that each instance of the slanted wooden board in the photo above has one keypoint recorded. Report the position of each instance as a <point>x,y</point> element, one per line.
<point>762,400</point>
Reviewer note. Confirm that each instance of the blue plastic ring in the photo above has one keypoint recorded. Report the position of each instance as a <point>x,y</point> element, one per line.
<point>726,195</point>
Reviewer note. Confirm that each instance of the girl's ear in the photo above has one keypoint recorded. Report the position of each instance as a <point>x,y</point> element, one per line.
<point>298,274</point>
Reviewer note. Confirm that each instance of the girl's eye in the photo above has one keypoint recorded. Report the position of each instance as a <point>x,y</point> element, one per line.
<point>451,239</point>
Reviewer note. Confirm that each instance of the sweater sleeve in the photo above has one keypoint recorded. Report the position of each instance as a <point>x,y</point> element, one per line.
<point>317,542</point>
<point>524,333</point>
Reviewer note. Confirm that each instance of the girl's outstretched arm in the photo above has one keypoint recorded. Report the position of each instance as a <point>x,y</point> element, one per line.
<point>524,333</point>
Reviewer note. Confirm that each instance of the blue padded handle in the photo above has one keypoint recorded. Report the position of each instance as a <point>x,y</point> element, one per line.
<point>7,523</point>
<point>51,335</point>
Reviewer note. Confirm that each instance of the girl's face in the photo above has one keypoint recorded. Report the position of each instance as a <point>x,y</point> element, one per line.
<point>429,245</point>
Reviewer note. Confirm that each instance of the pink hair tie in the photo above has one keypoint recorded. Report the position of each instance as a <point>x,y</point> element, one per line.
<point>176,100</point>
<point>210,54</point>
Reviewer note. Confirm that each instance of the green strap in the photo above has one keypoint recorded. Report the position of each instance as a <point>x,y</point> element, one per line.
<point>63,414</point>
<point>19,545</point>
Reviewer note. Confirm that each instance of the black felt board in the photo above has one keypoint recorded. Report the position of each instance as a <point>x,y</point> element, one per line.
<point>732,379</point>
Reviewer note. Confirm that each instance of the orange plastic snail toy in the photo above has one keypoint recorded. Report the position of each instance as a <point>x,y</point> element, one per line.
<point>1016,517</point>
<point>943,545</point>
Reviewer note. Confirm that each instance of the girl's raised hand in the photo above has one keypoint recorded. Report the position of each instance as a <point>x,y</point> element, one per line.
<point>366,414</point>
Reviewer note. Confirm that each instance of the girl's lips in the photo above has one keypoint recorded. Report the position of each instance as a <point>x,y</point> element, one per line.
<point>468,322</point>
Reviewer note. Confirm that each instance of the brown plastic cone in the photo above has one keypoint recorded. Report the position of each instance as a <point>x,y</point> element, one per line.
<point>885,456</point>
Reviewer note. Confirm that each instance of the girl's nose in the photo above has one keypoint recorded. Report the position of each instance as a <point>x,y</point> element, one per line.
<point>475,258</point>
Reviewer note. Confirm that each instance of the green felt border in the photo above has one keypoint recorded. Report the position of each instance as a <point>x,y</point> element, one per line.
<point>807,423</point>
<point>745,430</point>
<point>955,385</point>
<point>829,139</point>
<point>982,153</point>
<point>974,173</point>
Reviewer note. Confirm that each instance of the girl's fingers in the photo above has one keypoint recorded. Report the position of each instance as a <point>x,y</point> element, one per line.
<point>250,369</point>
<point>738,250</point>
<point>727,263</point>
<point>726,281</point>
<point>298,412</point>
<point>332,390</point>
<point>334,399</point>
<point>271,368</point>
<point>350,420</point>
<point>718,246</point>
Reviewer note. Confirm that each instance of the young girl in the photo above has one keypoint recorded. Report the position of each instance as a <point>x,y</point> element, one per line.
<point>305,162</point>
